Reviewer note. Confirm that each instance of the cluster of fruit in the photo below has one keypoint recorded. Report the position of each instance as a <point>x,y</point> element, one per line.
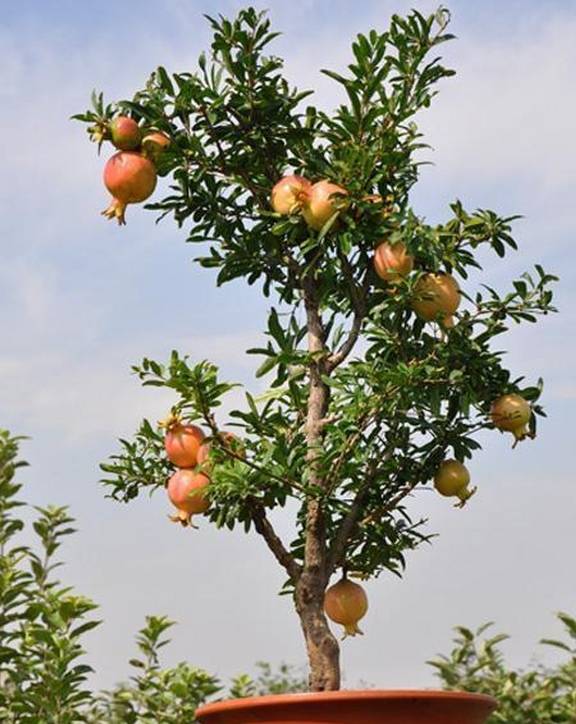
<point>187,449</point>
<point>346,602</point>
<point>129,175</point>
<point>436,297</point>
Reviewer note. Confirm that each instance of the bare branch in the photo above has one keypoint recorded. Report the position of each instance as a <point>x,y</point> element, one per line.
<point>282,555</point>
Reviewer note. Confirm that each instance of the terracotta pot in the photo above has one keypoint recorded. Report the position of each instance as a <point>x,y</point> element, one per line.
<point>353,707</point>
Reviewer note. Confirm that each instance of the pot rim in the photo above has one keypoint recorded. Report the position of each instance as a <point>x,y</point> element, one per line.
<point>346,694</point>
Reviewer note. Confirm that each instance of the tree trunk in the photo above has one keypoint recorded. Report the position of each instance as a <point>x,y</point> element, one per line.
<point>321,645</point>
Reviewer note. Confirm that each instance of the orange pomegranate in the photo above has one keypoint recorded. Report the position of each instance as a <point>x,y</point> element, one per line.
<point>187,492</point>
<point>436,296</point>
<point>154,144</point>
<point>125,133</point>
<point>290,194</point>
<point>392,261</point>
<point>130,178</point>
<point>512,413</point>
<point>452,480</point>
<point>183,443</point>
<point>346,603</point>
<point>324,200</point>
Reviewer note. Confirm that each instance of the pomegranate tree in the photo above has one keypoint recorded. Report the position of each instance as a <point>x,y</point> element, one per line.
<point>379,356</point>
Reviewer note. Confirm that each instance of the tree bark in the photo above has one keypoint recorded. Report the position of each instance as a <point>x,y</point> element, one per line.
<point>323,649</point>
<point>321,645</point>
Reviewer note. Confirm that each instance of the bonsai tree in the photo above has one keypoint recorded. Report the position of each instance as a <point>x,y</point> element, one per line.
<point>379,362</point>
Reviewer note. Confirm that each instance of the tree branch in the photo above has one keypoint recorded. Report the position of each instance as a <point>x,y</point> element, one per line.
<point>352,517</point>
<point>282,555</point>
<point>217,436</point>
<point>358,297</point>
<point>347,525</point>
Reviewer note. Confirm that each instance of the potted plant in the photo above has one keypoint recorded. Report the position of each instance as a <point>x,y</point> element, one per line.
<point>379,360</point>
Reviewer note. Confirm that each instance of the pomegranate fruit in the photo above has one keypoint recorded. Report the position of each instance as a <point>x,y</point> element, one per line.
<point>322,203</point>
<point>290,194</point>
<point>130,178</point>
<point>392,261</point>
<point>346,603</point>
<point>452,480</point>
<point>125,133</point>
<point>154,144</point>
<point>436,295</point>
<point>512,413</point>
<point>230,440</point>
<point>182,444</point>
<point>187,492</point>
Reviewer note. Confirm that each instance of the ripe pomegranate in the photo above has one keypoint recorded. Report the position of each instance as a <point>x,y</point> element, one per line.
<point>154,144</point>
<point>290,194</point>
<point>230,441</point>
<point>346,603</point>
<point>125,133</point>
<point>187,492</point>
<point>392,261</point>
<point>452,479</point>
<point>322,204</point>
<point>130,178</point>
<point>512,413</point>
<point>183,443</point>
<point>436,295</point>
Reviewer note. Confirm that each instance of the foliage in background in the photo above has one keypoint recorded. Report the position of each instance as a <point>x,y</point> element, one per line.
<point>42,624</point>
<point>537,695</point>
<point>41,621</point>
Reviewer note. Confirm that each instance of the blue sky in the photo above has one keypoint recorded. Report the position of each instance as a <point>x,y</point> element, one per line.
<point>81,300</point>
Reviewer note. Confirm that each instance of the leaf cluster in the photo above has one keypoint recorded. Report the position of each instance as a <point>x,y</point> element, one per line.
<point>538,695</point>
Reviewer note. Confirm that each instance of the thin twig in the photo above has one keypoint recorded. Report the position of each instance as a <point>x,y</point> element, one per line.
<point>358,297</point>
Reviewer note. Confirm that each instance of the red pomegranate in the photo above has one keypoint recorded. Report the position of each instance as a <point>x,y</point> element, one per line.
<point>290,194</point>
<point>436,296</point>
<point>324,200</point>
<point>130,178</point>
<point>187,492</point>
<point>125,133</point>
<point>392,261</point>
<point>183,443</point>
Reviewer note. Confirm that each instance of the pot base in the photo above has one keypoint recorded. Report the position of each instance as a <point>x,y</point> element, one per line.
<point>353,707</point>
